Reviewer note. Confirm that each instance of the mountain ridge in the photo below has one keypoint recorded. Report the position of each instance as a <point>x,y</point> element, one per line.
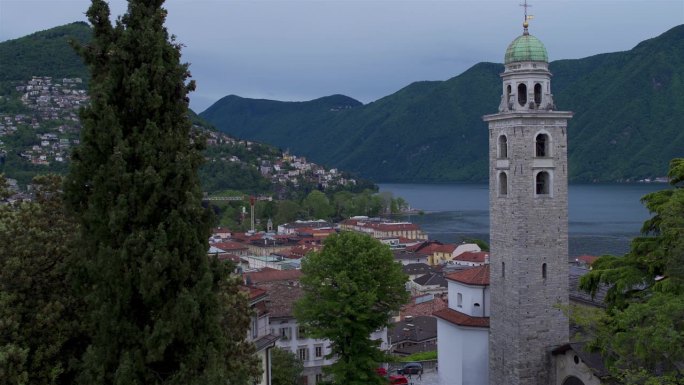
<point>625,103</point>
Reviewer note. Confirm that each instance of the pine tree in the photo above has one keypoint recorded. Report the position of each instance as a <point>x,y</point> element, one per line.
<point>40,326</point>
<point>160,310</point>
<point>641,335</point>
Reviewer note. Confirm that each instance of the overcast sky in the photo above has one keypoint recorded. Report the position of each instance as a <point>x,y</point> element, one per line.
<point>302,50</point>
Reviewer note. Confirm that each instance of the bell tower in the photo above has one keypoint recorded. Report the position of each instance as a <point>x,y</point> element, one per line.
<point>528,208</point>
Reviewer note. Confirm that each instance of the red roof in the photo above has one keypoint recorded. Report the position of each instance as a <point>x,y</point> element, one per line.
<point>253,292</point>
<point>228,246</point>
<point>458,318</point>
<point>588,259</point>
<point>426,308</point>
<point>473,256</point>
<point>272,275</point>
<point>476,276</point>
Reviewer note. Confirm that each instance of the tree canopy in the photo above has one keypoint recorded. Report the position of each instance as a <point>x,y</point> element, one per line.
<point>351,288</point>
<point>40,317</point>
<point>641,335</point>
<point>286,368</point>
<point>159,310</point>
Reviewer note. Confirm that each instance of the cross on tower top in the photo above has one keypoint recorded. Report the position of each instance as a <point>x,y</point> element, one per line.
<point>527,17</point>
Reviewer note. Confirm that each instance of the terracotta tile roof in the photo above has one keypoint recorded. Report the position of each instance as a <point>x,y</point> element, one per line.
<point>281,299</point>
<point>588,259</point>
<point>458,318</point>
<point>476,276</point>
<point>446,248</point>
<point>472,256</point>
<point>229,257</point>
<point>228,246</point>
<point>253,293</point>
<point>425,308</point>
<point>272,275</point>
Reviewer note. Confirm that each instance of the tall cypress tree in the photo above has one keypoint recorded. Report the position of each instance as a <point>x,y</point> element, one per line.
<point>160,310</point>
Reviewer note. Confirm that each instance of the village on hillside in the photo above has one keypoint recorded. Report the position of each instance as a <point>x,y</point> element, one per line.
<point>50,127</point>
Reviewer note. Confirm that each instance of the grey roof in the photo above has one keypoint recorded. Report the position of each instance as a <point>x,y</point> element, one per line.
<point>577,295</point>
<point>403,255</point>
<point>417,269</point>
<point>415,329</point>
<point>592,360</point>
<point>265,341</point>
<point>431,279</point>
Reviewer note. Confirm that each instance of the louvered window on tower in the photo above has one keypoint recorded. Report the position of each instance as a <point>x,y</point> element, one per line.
<point>522,94</point>
<point>503,146</point>
<point>541,146</point>
<point>537,94</point>
<point>542,183</point>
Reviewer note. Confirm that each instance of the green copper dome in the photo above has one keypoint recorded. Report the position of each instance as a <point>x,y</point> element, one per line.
<point>526,48</point>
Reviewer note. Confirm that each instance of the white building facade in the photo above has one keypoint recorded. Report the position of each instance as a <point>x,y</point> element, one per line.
<point>463,329</point>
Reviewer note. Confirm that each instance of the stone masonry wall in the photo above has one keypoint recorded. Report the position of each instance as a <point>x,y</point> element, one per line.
<point>527,231</point>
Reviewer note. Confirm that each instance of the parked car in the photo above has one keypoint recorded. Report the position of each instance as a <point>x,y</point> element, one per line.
<point>411,368</point>
<point>398,380</point>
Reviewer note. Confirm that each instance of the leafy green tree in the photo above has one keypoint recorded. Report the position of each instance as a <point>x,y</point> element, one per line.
<point>642,334</point>
<point>350,289</point>
<point>317,205</point>
<point>286,368</point>
<point>40,323</point>
<point>287,211</point>
<point>160,310</point>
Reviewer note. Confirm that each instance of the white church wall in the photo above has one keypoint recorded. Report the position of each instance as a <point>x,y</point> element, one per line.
<point>470,295</point>
<point>462,354</point>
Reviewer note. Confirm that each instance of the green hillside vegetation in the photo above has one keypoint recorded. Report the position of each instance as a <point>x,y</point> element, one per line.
<point>44,52</point>
<point>628,117</point>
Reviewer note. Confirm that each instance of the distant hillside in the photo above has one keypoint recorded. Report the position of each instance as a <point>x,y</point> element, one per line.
<point>628,120</point>
<point>44,53</point>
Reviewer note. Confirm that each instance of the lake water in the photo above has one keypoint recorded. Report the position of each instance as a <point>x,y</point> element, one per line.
<point>602,218</point>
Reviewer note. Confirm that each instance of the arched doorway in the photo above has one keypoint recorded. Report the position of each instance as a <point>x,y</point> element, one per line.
<point>572,380</point>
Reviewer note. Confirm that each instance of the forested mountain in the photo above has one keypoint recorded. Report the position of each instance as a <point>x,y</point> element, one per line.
<point>44,53</point>
<point>629,114</point>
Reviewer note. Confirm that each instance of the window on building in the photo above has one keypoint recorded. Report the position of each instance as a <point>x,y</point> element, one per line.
<point>503,146</point>
<point>541,146</point>
<point>503,269</point>
<point>522,94</point>
<point>285,333</point>
<point>543,181</point>
<point>459,300</point>
<point>537,94</point>
<point>503,183</point>
<point>303,353</point>
<point>318,351</point>
<point>543,270</point>
<point>319,378</point>
<point>255,326</point>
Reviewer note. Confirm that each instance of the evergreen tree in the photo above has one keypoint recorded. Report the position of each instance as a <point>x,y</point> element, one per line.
<point>641,335</point>
<point>41,334</point>
<point>159,310</point>
<point>351,287</point>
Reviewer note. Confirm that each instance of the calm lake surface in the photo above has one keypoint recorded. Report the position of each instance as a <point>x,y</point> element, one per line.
<point>603,217</point>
